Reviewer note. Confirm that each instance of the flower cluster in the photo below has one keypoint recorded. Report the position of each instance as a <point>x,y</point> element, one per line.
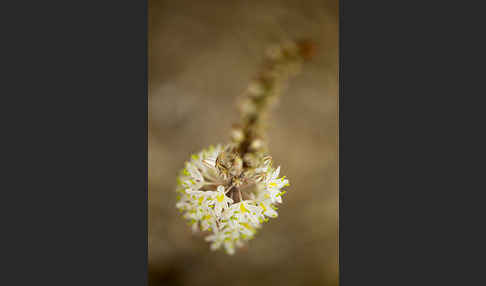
<point>232,210</point>
<point>231,191</point>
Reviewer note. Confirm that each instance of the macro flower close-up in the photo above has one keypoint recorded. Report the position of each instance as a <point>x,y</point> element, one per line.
<point>231,190</point>
<point>231,208</point>
<point>243,143</point>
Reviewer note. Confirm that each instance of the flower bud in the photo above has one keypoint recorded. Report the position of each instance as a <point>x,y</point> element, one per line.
<point>256,88</point>
<point>237,135</point>
<point>237,166</point>
<point>256,144</point>
<point>275,53</point>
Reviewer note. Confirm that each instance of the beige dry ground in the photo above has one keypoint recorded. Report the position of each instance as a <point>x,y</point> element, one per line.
<point>202,54</point>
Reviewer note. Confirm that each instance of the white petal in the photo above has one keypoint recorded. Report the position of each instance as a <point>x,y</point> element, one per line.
<point>275,174</point>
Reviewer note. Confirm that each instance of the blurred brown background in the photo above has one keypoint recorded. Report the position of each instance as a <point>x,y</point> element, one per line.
<point>202,55</point>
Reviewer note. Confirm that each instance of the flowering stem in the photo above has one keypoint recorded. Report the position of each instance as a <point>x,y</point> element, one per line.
<point>241,171</point>
<point>239,193</point>
<point>281,63</point>
<point>240,160</point>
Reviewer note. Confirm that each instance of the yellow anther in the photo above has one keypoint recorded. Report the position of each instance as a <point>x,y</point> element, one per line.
<point>242,208</point>
<point>206,217</point>
<point>246,225</point>
<point>220,197</point>
<point>263,206</point>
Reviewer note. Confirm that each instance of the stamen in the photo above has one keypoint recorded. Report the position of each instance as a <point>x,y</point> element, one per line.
<point>229,189</point>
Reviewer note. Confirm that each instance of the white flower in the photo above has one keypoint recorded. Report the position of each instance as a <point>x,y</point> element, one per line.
<point>204,198</point>
<point>246,212</point>
<point>274,185</point>
<point>268,208</point>
<point>217,238</point>
<point>220,200</point>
